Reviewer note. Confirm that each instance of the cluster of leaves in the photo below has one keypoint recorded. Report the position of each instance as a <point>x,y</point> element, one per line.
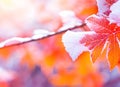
<point>102,37</point>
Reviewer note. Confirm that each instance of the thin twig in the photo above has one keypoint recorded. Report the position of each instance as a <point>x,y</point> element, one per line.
<point>50,35</point>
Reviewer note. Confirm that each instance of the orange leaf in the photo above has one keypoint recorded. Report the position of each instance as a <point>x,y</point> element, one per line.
<point>102,40</point>
<point>97,51</point>
<point>114,52</point>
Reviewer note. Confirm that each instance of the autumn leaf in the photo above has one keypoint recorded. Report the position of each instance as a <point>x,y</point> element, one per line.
<point>114,15</point>
<point>108,8</point>
<point>105,38</point>
<point>105,33</point>
<point>104,6</point>
<point>72,45</point>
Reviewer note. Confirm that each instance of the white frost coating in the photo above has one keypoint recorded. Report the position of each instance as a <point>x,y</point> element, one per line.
<point>103,6</point>
<point>115,13</point>
<point>39,33</point>
<point>89,24</point>
<point>71,41</point>
<point>69,19</point>
<point>2,44</point>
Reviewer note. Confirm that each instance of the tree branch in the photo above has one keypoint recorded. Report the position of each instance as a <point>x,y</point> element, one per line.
<point>40,38</point>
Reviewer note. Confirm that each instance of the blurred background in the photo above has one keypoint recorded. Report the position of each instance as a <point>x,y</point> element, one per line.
<point>45,63</point>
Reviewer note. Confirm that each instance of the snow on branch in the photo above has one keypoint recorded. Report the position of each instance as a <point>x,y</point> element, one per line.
<point>38,36</point>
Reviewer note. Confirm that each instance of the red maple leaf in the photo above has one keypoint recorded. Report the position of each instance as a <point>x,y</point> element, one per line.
<point>106,36</point>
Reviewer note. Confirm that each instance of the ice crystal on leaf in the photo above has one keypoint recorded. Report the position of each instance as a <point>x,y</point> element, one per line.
<point>72,44</point>
<point>110,8</point>
<point>104,6</point>
<point>115,13</point>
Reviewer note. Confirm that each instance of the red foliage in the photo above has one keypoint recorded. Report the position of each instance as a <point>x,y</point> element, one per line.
<point>46,63</point>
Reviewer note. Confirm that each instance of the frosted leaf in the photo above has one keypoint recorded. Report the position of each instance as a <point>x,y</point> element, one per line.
<point>13,40</point>
<point>71,41</point>
<point>69,20</point>
<point>115,13</point>
<point>39,33</point>
<point>102,6</point>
